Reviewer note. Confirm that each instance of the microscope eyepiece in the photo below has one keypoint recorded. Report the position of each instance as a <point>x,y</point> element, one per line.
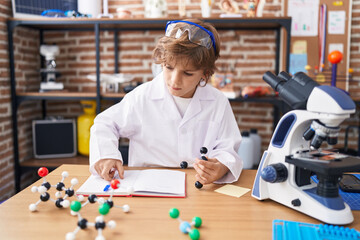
<point>294,90</point>
<point>273,80</point>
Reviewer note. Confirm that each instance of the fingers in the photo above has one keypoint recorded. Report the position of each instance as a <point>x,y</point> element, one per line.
<point>200,179</point>
<point>105,174</point>
<point>209,171</point>
<point>204,175</point>
<point>120,168</point>
<point>106,168</point>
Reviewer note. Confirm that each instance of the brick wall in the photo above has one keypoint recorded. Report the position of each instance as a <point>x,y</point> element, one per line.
<point>250,52</point>
<point>6,154</point>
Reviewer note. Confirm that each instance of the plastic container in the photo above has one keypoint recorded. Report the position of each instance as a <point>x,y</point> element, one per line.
<point>84,123</point>
<point>246,150</point>
<point>90,7</point>
<point>257,145</point>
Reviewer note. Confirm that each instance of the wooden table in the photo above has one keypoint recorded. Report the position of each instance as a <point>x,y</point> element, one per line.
<point>224,217</point>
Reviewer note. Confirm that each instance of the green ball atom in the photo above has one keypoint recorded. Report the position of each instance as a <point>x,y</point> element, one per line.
<point>194,234</point>
<point>75,206</point>
<point>197,221</point>
<point>104,209</point>
<point>174,213</point>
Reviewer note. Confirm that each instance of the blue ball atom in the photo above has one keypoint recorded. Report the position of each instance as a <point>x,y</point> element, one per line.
<point>184,227</point>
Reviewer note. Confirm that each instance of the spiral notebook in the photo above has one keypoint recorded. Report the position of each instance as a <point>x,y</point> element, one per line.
<point>145,183</point>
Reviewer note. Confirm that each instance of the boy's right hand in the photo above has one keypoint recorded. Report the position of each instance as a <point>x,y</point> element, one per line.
<point>106,168</point>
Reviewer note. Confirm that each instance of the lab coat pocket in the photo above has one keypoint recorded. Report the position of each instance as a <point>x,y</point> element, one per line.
<point>205,134</point>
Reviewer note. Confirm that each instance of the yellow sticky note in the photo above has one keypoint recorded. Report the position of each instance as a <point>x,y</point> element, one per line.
<point>232,190</point>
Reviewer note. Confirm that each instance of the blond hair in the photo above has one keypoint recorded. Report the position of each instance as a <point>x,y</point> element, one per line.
<point>169,48</point>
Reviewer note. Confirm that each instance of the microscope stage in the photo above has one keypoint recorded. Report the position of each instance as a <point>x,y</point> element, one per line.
<point>326,162</point>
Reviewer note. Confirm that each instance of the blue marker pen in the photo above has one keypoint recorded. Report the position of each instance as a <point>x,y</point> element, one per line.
<point>106,188</point>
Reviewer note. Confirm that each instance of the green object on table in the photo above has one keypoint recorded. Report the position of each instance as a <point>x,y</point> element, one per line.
<point>75,206</point>
<point>104,209</point>
<point>194,234</point>
<point>197,221</point>
<point>174,213</point>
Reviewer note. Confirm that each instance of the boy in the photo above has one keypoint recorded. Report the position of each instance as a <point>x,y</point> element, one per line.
<point>170,118</point>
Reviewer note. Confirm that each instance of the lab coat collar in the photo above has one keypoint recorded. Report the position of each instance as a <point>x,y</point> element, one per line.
<point>160,92</point>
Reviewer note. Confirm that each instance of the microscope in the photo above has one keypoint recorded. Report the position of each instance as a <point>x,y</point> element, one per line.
<point>49,73</point>
<point>294,154</point>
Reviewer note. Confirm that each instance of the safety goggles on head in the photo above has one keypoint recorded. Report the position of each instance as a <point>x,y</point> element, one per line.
<point>196,33</point>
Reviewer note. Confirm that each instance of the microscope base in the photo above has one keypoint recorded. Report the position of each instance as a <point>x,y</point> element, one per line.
<point>48,86</point>
<point>302,199</point>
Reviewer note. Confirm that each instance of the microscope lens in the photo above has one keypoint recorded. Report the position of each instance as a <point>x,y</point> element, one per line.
<point>317,141</point>
<point>308,134</point>
<point>332,140</point>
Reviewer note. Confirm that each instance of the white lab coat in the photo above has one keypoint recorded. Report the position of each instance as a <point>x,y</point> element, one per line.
<point>160,137</point>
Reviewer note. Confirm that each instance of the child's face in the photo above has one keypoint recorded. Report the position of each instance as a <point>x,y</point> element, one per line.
<point>181,77</point>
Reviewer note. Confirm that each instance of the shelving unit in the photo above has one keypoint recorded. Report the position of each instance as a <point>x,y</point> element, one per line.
<point>117,25</point>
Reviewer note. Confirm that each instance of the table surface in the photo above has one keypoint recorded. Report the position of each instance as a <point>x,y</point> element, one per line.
<point>224,217</point>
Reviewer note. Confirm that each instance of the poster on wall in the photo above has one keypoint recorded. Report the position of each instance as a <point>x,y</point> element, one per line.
<point>305,17</point>
<point>336,22</point>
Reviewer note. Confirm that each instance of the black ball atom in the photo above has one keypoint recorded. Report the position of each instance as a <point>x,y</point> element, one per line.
<point>60,186</point>
<point>183,164</point>
<point>47,185</point>
<point>92,198</point>
<point>82,223</point>
<point>110,203</point>
<point>58,202</point>
<point>198,184</point>
<point>203,150</point>
<point>70,192</point>
<point>45,197</point>
<point>99,225</point>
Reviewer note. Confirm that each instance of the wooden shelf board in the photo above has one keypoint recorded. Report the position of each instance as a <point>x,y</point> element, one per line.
<point>141,23</point>
<point>113,95</point>
<point>55,162</point>
<point>56,94</point>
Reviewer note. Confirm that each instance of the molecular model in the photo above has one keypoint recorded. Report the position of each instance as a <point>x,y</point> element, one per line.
<point>60,186</point>
<point>184,165</point>
<point>104,209</point>
<point>83,223</point>
<point>185,227</point>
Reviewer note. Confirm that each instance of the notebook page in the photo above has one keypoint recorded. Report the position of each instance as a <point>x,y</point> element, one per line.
<point>161,181</point>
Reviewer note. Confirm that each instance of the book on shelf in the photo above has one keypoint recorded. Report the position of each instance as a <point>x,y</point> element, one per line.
<point>144,183</point>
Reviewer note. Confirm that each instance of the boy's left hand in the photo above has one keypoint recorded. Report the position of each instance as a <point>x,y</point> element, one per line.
<point>209,171</point>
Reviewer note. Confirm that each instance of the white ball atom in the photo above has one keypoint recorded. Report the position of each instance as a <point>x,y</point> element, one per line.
<point>111,224</point>
<point>64,174</point>
<point>65,203</point>
<point>80,198</point>
<point>42,189</point>
<point>34,189</point>
<point>58,194</point>
<point>74,181</point>
<point>126,208</point>
<point>32,207</point>
<point>101,201</point>
<point>99,219</point>
<point>70,236</point>
<point>100,238</point>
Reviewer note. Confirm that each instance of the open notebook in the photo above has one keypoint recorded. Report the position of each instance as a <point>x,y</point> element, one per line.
<point>149,183</point>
